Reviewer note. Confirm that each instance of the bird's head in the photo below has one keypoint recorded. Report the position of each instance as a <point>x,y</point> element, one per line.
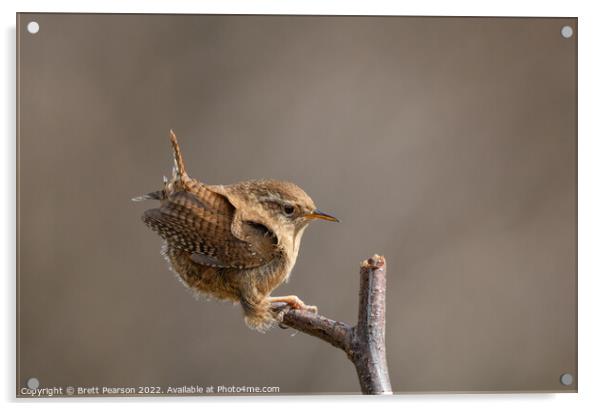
<point>280,205</point>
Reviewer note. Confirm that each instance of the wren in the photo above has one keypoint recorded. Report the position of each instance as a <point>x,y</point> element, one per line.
<point>233,242</point>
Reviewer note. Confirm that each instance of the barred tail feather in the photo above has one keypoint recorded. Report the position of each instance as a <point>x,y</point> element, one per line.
<point>155,195</point>
<point>180,170</point>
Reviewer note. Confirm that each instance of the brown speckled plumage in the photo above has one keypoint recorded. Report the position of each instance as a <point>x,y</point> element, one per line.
<point>236,242</point>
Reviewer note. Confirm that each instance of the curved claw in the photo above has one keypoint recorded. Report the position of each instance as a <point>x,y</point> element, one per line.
<point>292,302</point>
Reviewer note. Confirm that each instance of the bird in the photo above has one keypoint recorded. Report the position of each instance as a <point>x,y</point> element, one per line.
<point>234,242</point>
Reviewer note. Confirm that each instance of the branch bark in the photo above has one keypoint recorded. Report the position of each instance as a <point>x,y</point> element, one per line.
<point>363,343</point>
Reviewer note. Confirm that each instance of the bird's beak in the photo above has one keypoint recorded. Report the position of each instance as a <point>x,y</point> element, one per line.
<point>322,216</point>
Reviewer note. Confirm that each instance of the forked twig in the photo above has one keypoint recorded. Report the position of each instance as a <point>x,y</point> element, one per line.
<point>363,343</point>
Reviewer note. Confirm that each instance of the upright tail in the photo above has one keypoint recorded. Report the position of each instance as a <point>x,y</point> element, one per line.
<point>180,170</point>
<point>180,178</point>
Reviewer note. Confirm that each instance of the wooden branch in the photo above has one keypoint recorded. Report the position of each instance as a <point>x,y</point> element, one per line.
<point>364,343</point>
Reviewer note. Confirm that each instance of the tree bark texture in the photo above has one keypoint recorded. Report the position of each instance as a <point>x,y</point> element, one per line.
<point>363,343</point>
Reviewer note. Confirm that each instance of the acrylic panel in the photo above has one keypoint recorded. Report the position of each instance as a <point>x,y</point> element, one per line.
<point>448,145</point>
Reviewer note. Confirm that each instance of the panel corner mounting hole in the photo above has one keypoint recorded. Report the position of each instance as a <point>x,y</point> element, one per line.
<point>566,32</point>
<point>33,383</point>
<point>566,379</point>
<point>33,27</point>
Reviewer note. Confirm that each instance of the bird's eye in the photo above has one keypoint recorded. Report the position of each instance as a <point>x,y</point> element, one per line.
<point>288,209</point>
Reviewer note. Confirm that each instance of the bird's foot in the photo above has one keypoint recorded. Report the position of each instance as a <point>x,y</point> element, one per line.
<point>293,302</point>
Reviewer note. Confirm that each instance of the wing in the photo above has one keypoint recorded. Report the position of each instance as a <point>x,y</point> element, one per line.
<point>202,226</point>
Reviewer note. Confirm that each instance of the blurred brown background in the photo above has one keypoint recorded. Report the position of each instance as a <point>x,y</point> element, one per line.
<point>446,144</point>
